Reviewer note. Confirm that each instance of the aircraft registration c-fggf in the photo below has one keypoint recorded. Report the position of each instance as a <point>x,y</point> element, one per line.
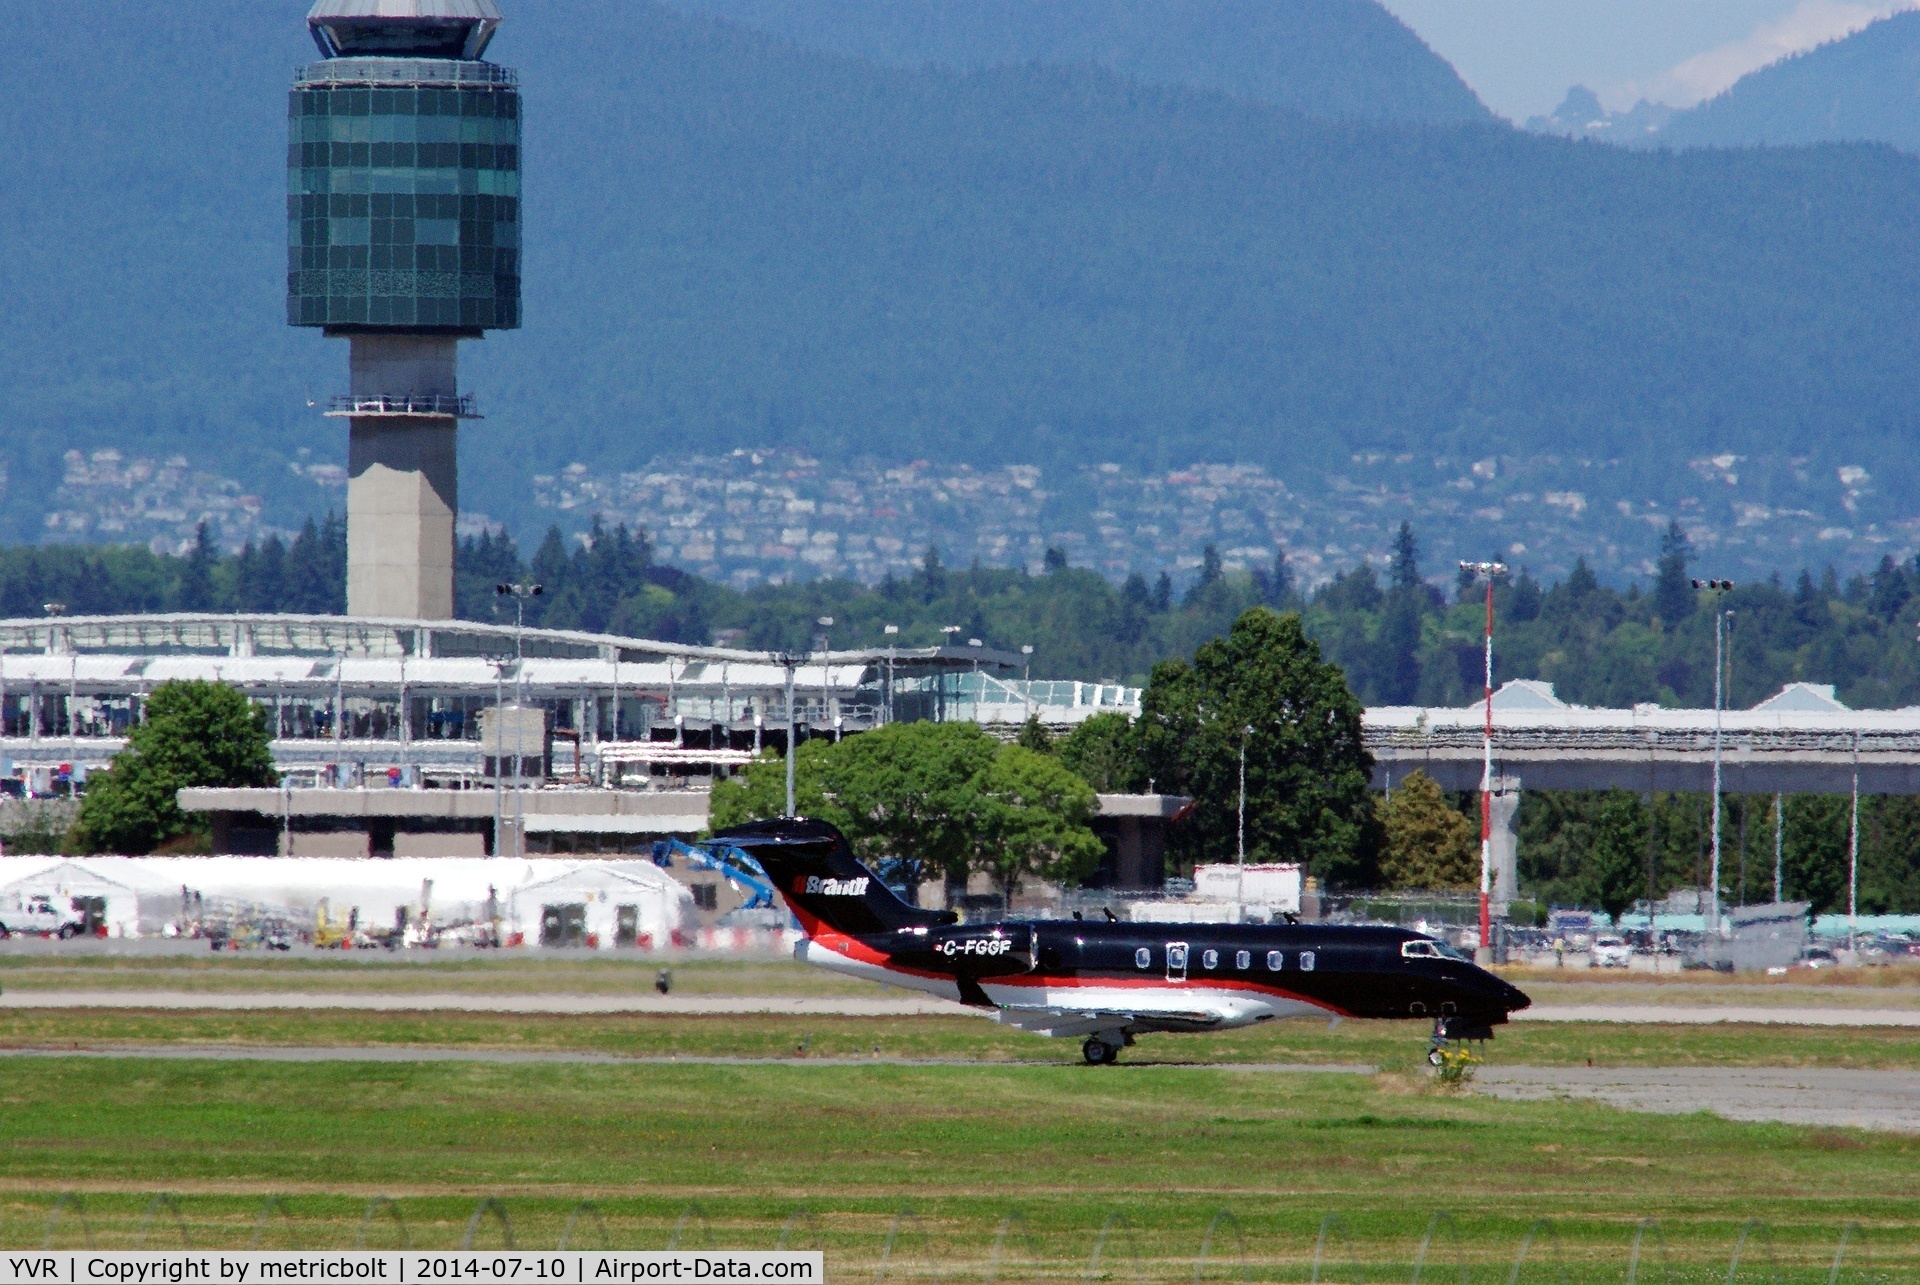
<point>1107,981</point>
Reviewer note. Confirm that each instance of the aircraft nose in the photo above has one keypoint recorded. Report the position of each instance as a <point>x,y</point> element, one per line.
<point>1500,993</point>
<point>1512,998</point>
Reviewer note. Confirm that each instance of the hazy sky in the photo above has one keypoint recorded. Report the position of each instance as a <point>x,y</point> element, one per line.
<point>1521,55</point>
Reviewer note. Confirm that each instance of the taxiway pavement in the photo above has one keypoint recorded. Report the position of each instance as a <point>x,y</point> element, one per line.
<point>881,1005</point>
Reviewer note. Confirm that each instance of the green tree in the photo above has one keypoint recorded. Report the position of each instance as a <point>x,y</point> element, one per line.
<point>1427,842</point>
<point>1030,819</point>
<point>1104,751</point>
<point>1266,687</point>
<point>908,792</point>
<point>1035,736</point>
<point>905,792</point>
<point>1816,856</point>
<point>759,793</point>
<point>1613,875</point>
<point>1673,596</point>
<point>192,734</point>
<point>1397,666</point>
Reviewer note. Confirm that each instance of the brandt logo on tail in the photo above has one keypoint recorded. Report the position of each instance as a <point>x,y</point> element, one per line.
<point>835,887</point>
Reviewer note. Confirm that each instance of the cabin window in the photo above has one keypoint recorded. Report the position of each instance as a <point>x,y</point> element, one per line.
<point>1210,959</point>
<point>1420,950</point>
<point>1243,961</point>
<point>1306,961</point>
<point>1274,960</point>
<point>1143,958</point>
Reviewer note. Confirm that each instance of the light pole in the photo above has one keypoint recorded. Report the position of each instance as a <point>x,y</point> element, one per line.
<point>893,634</point>
<point>790,662</point>
<point>55,609</point>
<point>1853,856</point>
<point>499,708</point>
<point>1240,859</point>
<point>1779,846</point>
<point>1489,572</point>
<point>520,593</point>
<point>826,677</point>
<point>1719,670</point>
<point>1026,676</point>
<point>947,632</point>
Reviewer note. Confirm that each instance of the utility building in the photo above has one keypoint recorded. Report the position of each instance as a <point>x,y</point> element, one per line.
<point>403,212</point>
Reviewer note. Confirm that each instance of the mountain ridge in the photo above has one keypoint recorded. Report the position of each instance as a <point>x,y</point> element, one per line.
<point>1334,58</point>
<point>1860,88</point>
<point>731,242</point>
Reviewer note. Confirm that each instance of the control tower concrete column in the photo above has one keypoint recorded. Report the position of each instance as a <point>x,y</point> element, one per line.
<point>402,479</point>
<point>403,234</point>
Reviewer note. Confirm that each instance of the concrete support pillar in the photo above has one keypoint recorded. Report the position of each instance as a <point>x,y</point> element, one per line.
<point>402,487</point>
<point>1505,839</point>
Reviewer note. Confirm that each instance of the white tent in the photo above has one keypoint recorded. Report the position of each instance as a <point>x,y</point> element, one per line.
<point>73,893</point>
<point>153,892</point>
<point>604,904</point>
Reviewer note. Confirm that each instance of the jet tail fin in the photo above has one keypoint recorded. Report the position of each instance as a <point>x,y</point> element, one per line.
<point>828,888</point>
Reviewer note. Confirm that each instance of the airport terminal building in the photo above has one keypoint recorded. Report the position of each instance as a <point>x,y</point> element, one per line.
<point>449,738</point>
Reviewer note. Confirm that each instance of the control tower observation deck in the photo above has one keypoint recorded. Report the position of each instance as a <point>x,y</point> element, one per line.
<point>403,219</point>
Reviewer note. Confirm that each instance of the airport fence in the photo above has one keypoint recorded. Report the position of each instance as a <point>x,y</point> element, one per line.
<point>902,1246</point>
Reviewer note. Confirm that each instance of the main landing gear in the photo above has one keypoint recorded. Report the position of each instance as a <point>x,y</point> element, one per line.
<point>1100,1051</point>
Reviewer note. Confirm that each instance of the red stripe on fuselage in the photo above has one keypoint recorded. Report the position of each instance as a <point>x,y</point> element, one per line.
<point>859,951</point>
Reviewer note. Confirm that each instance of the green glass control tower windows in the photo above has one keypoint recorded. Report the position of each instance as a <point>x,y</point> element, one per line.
<point>404,199</point>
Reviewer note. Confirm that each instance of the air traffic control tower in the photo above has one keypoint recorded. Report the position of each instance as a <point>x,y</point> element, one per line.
<point>403,219</point>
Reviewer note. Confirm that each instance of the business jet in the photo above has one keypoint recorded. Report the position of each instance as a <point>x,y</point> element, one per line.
<point>1105,980</point>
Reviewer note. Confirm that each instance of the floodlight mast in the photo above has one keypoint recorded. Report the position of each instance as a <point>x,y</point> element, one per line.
<point>1719,669</point>
<point>826,659</point>
<point>789,662</point>
<point>1489,572</point>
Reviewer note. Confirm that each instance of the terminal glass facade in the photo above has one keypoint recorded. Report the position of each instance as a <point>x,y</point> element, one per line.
<point>403,206</point>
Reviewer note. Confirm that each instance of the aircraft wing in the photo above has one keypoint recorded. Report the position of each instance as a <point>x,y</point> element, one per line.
<point>1068,1023</point>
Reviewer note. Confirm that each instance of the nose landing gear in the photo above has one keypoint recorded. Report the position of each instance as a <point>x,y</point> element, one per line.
<point>1453,1029</point>
<point>1104,1050</point>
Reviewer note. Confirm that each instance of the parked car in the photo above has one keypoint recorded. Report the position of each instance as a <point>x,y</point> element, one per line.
<point>36,916</point>
<point>1611,952</point>
<point>1815,957</point>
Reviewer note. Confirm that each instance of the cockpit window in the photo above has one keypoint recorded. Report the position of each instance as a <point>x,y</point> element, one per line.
<point>1424,948</point>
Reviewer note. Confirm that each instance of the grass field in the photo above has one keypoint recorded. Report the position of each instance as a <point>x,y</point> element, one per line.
<point>446,972</point>
<point>1388,1045</point>
<point>729,1154</point>
<point>998,1138</point>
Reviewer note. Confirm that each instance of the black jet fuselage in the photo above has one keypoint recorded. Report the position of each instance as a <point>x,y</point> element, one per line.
<point>1110,980</point>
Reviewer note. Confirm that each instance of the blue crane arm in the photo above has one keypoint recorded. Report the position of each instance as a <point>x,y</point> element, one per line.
<point>725,860</point>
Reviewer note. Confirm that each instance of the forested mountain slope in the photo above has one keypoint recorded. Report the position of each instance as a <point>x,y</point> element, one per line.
<point>731,242</point>
<point>1865,87</point>
<point>1341,58</point>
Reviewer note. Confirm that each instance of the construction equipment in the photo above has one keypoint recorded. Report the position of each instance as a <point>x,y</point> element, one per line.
<point>736,866</point>
<point>328,935</point>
